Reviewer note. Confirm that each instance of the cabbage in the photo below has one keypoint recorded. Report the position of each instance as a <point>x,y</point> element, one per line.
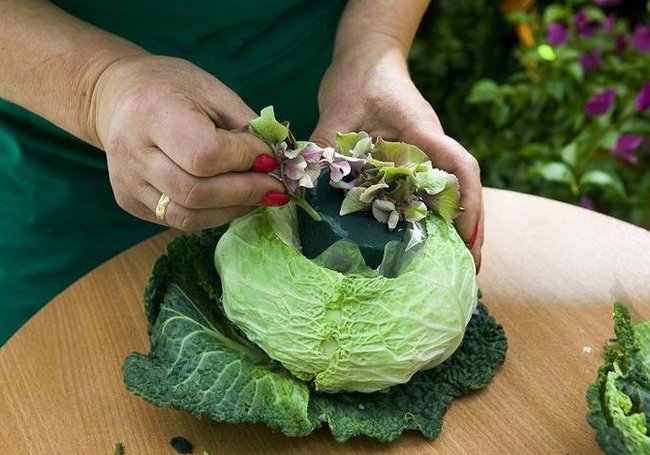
<point>200,362</point>
<point>333,319</point>
<point>619,400</point>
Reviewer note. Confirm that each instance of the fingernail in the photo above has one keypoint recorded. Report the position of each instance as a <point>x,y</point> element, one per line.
<point>474,238</point>
<point>264,163</point>
<point>275,198</point>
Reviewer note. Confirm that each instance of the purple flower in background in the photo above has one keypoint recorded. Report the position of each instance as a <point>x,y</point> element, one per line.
<point>641,38</point>
<point>587,203</point>
<point>620,44</point>
<point>607,2</point>
<point>600,103</point>
<point>625,147</point>
<point>583,25</point>
<point>608,23</point>
<point>643,98</point>
<point>592,60</point>
<point>556,34</point>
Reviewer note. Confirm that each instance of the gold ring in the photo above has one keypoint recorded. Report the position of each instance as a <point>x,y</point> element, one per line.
<point>161,207</point>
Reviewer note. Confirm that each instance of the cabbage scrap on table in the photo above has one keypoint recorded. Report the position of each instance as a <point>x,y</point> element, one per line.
<point>619,400</point>
<point>245,328</point>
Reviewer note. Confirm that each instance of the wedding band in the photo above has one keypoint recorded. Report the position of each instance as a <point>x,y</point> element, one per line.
<point>161,207</point>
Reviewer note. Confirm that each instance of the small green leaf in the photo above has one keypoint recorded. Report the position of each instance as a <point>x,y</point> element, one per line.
<point>268,128</point>
<point>569,154</point>
<point>603,179</point>
<point>576,71</point>
<point>398,153</point>
<point>555,172</point>
<point>594,14</point>
<point>500,113</point>
<point>609,140</point>
<point>483,91</point>
<point>347,141</point>
<point>546,52</point>
<point>555,13</point>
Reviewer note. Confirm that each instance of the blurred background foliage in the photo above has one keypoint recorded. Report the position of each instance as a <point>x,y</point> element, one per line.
<point>519,83</point>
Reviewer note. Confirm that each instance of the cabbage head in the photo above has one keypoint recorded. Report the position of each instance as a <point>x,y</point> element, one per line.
<point>336,321</point>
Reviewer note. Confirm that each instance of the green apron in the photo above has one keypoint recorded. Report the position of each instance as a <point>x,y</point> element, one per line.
<point>58,215</point>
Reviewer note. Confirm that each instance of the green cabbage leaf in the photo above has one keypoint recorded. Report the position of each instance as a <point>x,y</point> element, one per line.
<point>619,400</point>
<point>200,361</point>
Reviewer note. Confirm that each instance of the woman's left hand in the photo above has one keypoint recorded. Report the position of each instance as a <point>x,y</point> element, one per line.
<point>374,93</point>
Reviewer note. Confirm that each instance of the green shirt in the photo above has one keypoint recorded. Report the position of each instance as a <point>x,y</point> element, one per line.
<point>58,215</point>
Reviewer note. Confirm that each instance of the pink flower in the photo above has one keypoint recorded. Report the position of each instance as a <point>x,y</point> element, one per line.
<point>620,44</point>
<point>587,203</point>
<point>583,25</point>
<point>643,98</point>
<point>607,2</point>
<point>592,60</point>
<point>641,38</point>
<point>556,34</point>
<point>625,147</point>
<point>600,103</point>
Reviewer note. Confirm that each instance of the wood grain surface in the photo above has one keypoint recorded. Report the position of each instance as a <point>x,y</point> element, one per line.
<point>550,274</point>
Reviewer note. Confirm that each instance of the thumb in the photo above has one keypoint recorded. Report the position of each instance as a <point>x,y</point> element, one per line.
<point>325,132</point>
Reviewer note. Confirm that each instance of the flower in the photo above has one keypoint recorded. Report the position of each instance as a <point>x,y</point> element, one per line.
<point>643,98</point>
<point>641,39</point>
<point>583,25</point>
<point>587,203</point>
<point>385,212</point>
<point>592,60</point>
<point>620,43</point>
<point>609,22</point>
<point>556,34</point>
<point>625,147</point>
<point>600,103</point>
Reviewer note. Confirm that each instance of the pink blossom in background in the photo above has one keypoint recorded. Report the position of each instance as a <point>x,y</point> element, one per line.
<point>583,25</point>
<point>625,147</point>
<point>643,98</point>
<point>641,39</point>
<point>600,103</point>
<point>592,60</point>
<point>620,43</point>
<point>587,203</point>
<point>556,34</point>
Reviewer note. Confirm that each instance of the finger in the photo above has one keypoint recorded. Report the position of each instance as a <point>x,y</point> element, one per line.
<point>223,190</point>
<point>193,142</point>
<point>183,218</point>
<point>325,132</point>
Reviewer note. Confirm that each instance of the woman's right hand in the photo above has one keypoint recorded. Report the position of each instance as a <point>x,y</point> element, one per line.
<point>166,127</point>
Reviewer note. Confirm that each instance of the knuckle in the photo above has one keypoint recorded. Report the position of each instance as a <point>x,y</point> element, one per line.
<point>187,221</point>
<point>204,159</point>
<point>191,193</point>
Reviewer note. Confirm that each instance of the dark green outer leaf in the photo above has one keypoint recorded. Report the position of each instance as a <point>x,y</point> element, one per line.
<point>200,363</point>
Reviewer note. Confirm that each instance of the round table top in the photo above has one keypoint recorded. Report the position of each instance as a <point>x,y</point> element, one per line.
<point>550,274</point>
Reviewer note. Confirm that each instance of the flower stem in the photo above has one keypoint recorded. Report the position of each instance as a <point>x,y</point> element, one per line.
<point>301,202</point>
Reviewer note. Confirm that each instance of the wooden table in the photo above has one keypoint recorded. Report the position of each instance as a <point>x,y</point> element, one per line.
<point>550,274</point>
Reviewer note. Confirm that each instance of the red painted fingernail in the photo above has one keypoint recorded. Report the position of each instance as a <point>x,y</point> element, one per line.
<point>275,198</point>
<point>474,238</point>
<point>264,163</point>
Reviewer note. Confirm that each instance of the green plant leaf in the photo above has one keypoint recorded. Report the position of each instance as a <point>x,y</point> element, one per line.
<point>569,154</point>
<point>555,13</point>
<point>603,179</point>
<point>483,91</point>
<point>555,172</point>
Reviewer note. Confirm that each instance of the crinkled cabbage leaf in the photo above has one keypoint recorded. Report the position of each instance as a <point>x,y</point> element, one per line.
<point>619,400</point>
<point>334,320</point>
<point>200,362</point>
